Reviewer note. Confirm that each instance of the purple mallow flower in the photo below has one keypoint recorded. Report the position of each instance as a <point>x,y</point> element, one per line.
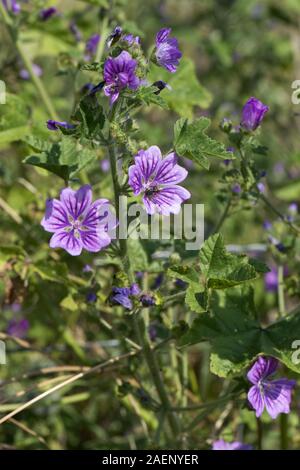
<point>91,297</point>
<point>271,280</point>
<point>91,46</point>
<point>12,5</point>
<point>53,125</point>
<point>24,74</point>
<point>77,222</point>
<point>236,188</point>
<point>18,327</point>
<point>253,113</point>
<point>119,73</point>
<point>167,51</point>
<point>157,179</point>
<point>236,445</point>
<point>261,187</point>
<point>47,13</point>
<point>121,295</point>
<point>274,395</point>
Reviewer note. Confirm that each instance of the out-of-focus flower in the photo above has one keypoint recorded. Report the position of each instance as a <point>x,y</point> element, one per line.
<point>18,327</point>
<point>91,47</point>
<point>12,5</point>
<point>121,295</point>
<point>119,73</point>
<point>167,51</point>
<point>91,297</point>
<point>267,225</point>
<point>158,281</point>
<point>87,269</point>
<point>77,222</point>
<point>24,74</point>
<point>274,395</point>
<point>75,31</point>
<point>105,165</point>
<point>292,211</point>
<point>236,188</point>
<point>47,13</point>
<point>236,445</point>
<point>53,125</point>
<point>271,280</point>
<point>147,300</point>
<point>253,114</point>
<point>261,187</point>
<point>157,179</point>
<point>131,39</point>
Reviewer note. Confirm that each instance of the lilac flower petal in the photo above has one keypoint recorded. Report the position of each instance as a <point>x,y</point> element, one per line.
<point>68,241</point>
<point>166,201</point>
<point>56,217</point>
<point>223,445</point>
<point>94,241</point>
<point>122,300</point>
<point>169,172</point>
<point>77,202</point>
<point>162,36</point>
<point>256,400</point>
<point>262,368</point>
<point>278,395</point>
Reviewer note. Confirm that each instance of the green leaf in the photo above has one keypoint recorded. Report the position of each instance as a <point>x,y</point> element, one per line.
<point>235,335</point>
<point>148,96</point>
<point>14,116</point>
<point>90,116</point>
<point>197,299</point>
<point>137,255</point>
<point>191,141</point>
<point>184,273</point>
<point>222,269</point>
<point>186,90</point>
<point>64,158</point>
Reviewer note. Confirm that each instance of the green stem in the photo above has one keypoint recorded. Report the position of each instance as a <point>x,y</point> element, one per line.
<point>101,44</point>
<point>156,375</point>
<point>35,79</point>
<point>284,438</point>
<point>139,322</point>
<point>280,290</point>
<point>223,217</point>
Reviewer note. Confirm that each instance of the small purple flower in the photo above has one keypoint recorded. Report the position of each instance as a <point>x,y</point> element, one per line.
<point>53,125</point>
<point>236,188</point>
<point>24,74</point>
<point>274,395</point>
<point>131,39</point>
<point>157,179</point>
<point>147,300</point>
<point>253,114</point>
<point>75,31</point>
<point>152,332</point>
<point>47,13</point>
<point>91,46</point>
<point>167,51</point>
<point>271,280</point>
<point>91,297</point>
<point>158,281</point>
<point>223,445</point>
<point>12,5</point>
<point>121,295</point>
<point>77,222</point>
<point>267,225</point>
<point>119,73</point>
<point>261,187</point>
<point>105,165</point>
<point>293,211</point>
<point>18,328</point>
<point>87,269</point>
